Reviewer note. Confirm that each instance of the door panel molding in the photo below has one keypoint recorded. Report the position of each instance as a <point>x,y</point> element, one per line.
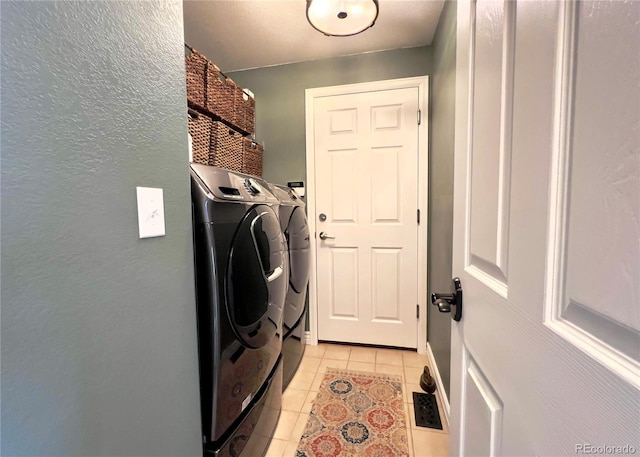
<point>607,340</point>
<point>342,162</point>
<point>384,117</point>
<point>422,84</point>
<point>477,391</point>
<point>386,283</point>
<point>345,303</point>
<point>492,269</point>
<point>385,201</point>
<point>343,122</point>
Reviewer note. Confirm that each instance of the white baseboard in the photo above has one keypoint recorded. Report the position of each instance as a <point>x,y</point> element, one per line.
<point>436,375</point>
<point>306,337</point>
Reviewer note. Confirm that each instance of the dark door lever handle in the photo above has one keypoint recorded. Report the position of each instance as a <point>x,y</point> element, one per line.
<point>444,302</point>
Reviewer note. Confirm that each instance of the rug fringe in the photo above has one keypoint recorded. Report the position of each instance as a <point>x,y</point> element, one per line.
<point>342,371</point>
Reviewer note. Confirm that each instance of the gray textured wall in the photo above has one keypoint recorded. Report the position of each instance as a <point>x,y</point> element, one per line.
<point>441,183</point>
<point>98,328</point>
<point>280,91</point>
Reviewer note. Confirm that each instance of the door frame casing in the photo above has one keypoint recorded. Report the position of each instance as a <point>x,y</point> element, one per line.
<point>422,84</point>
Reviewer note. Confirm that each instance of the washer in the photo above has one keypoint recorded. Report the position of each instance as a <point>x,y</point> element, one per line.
<point>293,222</point>
<point>241,284</point>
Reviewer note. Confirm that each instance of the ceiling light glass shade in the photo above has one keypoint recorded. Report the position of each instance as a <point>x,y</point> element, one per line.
<point>342,17</point>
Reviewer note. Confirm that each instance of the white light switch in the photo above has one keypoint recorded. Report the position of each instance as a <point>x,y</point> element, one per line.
<point>150,212</point>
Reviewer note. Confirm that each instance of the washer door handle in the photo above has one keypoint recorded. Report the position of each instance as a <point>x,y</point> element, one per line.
<point>324,236</point>
<point>275,274</point>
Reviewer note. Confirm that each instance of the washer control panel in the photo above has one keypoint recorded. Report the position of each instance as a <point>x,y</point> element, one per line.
<point>226,185</point>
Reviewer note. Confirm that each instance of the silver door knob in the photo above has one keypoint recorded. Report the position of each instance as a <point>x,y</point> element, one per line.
<point>324,236</point>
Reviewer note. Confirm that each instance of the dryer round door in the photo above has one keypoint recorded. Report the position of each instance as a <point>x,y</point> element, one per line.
<point>297,234</point>
<point>256,280</point>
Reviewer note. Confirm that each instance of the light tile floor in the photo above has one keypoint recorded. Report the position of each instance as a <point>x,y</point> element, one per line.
<point>298,397</point>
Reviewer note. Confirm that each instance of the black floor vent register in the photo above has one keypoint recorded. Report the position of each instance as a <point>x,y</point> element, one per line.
<point>426,410</point>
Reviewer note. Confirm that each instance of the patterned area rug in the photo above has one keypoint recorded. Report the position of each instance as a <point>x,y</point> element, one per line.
<point>356,414</point>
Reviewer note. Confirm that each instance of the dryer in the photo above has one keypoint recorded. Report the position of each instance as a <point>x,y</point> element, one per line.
<point>293,222</point>
<point>241,284</point>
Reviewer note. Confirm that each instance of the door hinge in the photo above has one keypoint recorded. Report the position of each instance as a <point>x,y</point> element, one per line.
<point>417,311</point>
<point>419,117</point>
<point>418,215</point>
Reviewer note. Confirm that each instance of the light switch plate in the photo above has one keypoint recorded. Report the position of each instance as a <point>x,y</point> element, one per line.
<point>150,212</point>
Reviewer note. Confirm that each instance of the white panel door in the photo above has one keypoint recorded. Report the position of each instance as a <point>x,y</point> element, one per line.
<point>366,174</point>
<point>546,358</point>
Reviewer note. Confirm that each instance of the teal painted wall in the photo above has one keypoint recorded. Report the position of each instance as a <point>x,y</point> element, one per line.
<point>443,87</point>
<point>98,327</point>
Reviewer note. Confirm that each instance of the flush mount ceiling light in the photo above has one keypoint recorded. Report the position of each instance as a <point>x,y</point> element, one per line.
<point>342,17</point>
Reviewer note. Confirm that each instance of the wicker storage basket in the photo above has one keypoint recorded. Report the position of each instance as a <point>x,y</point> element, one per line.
<point>226,147</point>
<point>200,131</point>
<point>250,115</point>
<point>209,90</point>
<point>244,110</point>
<point>220,93</point>
<point>196,67</point>
<point>252,157</point>
<point>214,143</point>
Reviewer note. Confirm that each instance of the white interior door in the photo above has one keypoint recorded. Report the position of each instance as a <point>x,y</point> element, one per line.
<point>545,360</point>
<point>366,200</point>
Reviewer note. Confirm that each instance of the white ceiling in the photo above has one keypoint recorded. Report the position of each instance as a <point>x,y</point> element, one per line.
<point>242,34</point>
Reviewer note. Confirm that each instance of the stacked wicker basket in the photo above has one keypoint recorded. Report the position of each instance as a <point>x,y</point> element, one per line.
<point>221,119</point>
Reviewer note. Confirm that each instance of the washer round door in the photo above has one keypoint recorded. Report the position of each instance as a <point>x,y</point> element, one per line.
<point>256,280</point>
